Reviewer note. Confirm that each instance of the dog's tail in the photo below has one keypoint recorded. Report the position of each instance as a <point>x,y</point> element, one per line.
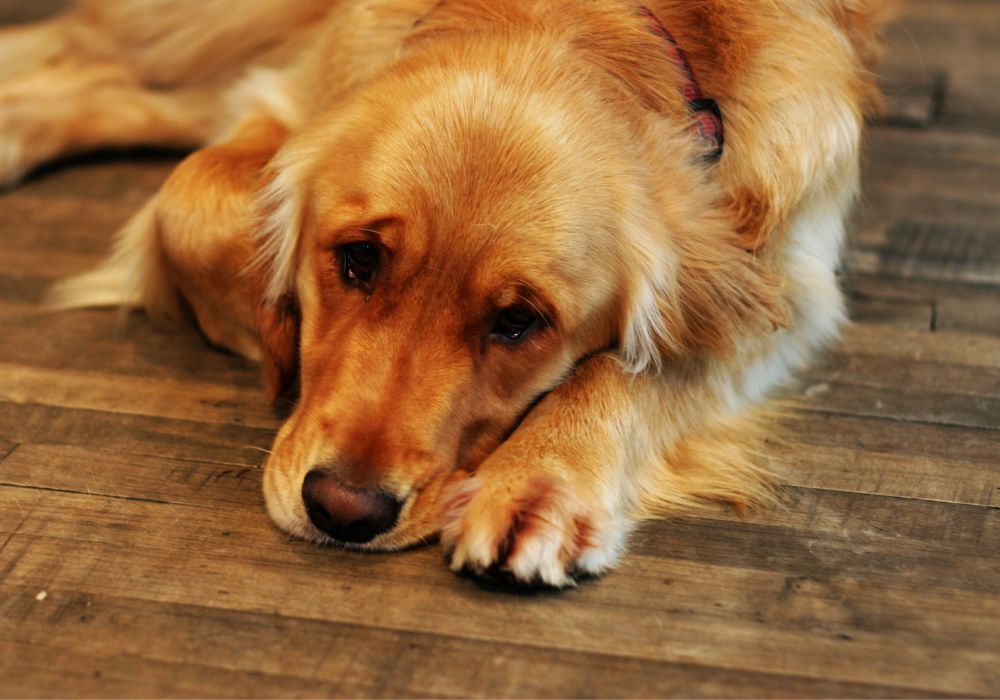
<point>133,276</point>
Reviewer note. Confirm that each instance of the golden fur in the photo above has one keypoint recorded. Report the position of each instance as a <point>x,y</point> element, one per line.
<point>533,155</point>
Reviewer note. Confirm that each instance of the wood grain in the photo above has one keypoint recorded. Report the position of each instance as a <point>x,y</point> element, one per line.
<point>287,661</point>
<point>225,562</point>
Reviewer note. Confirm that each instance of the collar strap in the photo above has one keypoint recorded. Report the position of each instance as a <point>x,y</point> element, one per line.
<point>705,111</point>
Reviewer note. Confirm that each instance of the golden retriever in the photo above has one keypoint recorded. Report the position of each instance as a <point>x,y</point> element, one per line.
<point>491,245</point>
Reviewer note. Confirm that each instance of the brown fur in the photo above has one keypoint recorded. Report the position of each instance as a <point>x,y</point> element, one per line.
<point>496,152</point>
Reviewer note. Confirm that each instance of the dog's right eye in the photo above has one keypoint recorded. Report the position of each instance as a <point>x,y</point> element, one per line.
<point>357,263</point>
<point>514,322</point>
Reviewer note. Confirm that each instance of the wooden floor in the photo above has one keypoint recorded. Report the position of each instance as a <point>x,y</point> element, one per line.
<point>136,558</point>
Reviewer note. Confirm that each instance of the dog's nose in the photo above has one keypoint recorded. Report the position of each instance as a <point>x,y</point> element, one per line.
<point>346,513</point>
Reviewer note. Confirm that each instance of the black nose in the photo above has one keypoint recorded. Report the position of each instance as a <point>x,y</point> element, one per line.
<point>346,513</point>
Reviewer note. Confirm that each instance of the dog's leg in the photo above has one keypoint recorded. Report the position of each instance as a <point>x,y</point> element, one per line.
<point>111,73</point>
<point>119,73</point>
<point>66,107</point>
<point>559,497</point>
<point>193,244</point>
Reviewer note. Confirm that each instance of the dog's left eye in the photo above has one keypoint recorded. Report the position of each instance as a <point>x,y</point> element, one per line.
<point>358,262</point>
<point>514,321</point>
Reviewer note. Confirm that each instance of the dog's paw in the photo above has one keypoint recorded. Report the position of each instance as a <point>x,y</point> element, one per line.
<point>540,532</point>
<point>13,164</point>
<point>23,145</point>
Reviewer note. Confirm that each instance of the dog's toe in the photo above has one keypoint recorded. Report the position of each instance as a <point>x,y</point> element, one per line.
<point>538,532</point>
<point>12,166</point>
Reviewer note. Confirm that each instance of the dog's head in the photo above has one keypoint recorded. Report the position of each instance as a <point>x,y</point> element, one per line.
<point>455,237</point>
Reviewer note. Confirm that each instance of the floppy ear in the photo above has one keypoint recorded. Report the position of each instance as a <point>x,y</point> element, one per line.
<point>278,323</point>
<point>724,293</point>
<point>279,206</point>
<point>715,294</point>
<point>757,219</point>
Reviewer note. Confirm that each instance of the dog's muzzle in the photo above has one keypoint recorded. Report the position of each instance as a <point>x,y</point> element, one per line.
<point>346,513</point>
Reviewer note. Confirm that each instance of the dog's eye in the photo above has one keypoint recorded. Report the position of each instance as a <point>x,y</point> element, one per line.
<point>514,321</point>
<point>358,262</point>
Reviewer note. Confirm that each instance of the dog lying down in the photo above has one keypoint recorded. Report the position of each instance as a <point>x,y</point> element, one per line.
<point>531,266</point>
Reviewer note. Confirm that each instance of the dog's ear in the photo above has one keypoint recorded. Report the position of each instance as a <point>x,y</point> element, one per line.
<point>724,293</point>
<point>623,46</point>
<point>715,293</point>
<point>756,218</point>
<point>278,323</point>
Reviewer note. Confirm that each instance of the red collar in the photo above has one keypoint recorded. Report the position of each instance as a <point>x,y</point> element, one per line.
<point>705,111</point>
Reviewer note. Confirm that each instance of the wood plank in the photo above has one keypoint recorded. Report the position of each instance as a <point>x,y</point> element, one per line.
<point>140,351</point>
<point>812,539</point>
<point>826,451</point>
<point>890,458</point>
<point>165,397</point>
<point>315,657</point>
<point>967,316</point>
<point>926,250</point>
<point>90,470</point>
<point>22,279</point>
<point>72,224</point>
<point>913,100</point>
<point>961,40</point>
<point>107,342</point>
<point>889,372</point>
<point>856,618</point>
<point>878,285</point>
<point>47,670</point>
<point>914,155</point>
<point>825,391</point>
<point>912,314</point>
<point>972,100</point>
<point>934,177</point>
<point>845,524</point>
<point>951,348</point>
<point>17,505</point>
<point>880,299</point>
<point>961,36</point>
<point>124,434</point>
<point>903,374</point>
<point>888,436</point>
<point>888,474</point>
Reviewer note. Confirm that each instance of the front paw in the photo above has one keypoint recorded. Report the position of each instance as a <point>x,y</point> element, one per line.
<point>23,144</point>
<point>539,531</point>
<point>14,162</point>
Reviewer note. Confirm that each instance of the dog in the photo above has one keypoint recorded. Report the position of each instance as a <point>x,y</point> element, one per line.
<point>529,268</point>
